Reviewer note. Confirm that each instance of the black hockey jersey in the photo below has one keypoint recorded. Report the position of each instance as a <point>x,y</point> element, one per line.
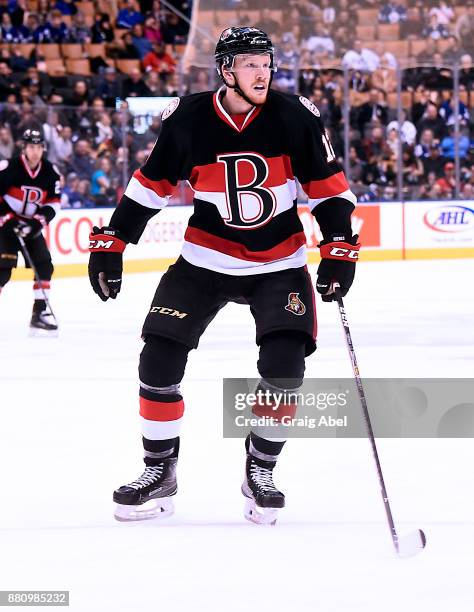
<point>245,217</point>
<point>27,193</point>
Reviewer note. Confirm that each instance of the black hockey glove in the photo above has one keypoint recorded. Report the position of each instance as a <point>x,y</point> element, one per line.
<point>338,259</point>
<point>25,227</point>
<point>105,262</point>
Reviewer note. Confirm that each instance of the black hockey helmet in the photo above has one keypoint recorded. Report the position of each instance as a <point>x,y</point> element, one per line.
<point>32,136</point>
<point>241,40</point>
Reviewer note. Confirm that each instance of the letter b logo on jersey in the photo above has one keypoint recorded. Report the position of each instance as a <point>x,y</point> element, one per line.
<point>32,196</point>
<point>250,205</point>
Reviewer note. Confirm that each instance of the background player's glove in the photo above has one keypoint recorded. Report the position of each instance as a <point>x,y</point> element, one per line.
<point>106,261</point>
<point>25,227</point>
<point>338,258</point>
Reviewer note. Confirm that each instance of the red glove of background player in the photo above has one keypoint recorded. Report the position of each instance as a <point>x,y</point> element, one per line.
<point>338,258</point>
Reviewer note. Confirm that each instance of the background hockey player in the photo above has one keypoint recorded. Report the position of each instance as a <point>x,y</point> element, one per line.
<point>30,190</point>
<point>241,149</point>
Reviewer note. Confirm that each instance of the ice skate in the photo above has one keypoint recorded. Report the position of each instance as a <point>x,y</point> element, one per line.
<point>263,498</point>
<point>150,495</point>
<point>42,322</point>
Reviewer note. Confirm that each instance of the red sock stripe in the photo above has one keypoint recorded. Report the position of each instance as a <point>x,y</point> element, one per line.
<point>44,284</point>
<point>161,411</point>
<point>267,410</point>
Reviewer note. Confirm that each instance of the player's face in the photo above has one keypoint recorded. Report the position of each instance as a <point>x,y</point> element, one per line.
<point>253,74</point>
<point>33,153</point>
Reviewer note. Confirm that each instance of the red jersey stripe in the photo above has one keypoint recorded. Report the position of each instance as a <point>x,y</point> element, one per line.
<point>162,188</point>
<point>234,249</point>
<point>325,188</point>
<point>19,194</point>
<point>161,411</point>
<point>211,177</point>
<point>265,410</point>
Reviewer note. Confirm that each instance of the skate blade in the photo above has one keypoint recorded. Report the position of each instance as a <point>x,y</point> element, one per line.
<point>37,332</point>
<point>260,516</point>
<point>152,509</point>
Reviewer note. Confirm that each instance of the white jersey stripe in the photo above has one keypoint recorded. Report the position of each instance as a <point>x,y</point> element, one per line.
<point>220,262</point>
<point>346,195</point>
<point>144,196</point>
<point>284,196</point>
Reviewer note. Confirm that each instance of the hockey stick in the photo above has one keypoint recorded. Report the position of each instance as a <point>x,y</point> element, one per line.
<point>24,250</point>
<point>414,542</point>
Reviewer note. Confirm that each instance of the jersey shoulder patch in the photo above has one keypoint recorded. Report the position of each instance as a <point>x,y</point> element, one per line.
<point>169,110</point>
<point>3,164</point>
<point>310,106</point>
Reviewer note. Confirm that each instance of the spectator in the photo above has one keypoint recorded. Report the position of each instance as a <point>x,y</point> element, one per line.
<point>287,59</point>
<point>412,167</point>
<point>142,45</point>
<point>7,146</point>
<point>6,84</point>
<point>391,12</point>
<point>127,49</point>
<point>104,130</point>
<point>443,12</point>
<point>432,121</point>
<point>413,26</point>
<point>447,183</point>
<point>446,110</point>
<point>66,7</point>
<point>434,29</point>
<point>31,26</point>
<point>82,162</point>
<point>109,87</point>
<point>153,130</point>
<point>151,30</point>
<point>60,147</point>
<point>201,83</point>
<point>102,31</point>
<point>80,95</point>
<point>430,190</point>
<point>101,184</point>
<point>134,85</point>
<point>427,140</point>
<point>356,167</point>
<point>320,43</point>
<point>53,31</point>
<point>466,72</point>
<point>384,78</point>
<point>464,28</point>
<point>8,32</point>
<point>171,86</point>
<point>434,162</point>
<point>359,81</point>
<point>372,111</point>
<point>70,196</point>
<point>448,145</point>
<point>79,32</point>
<point>361,58</point>
<point>328,12</point>
<point>408,130</point>
<point>267,24</point>
<point>174,30</point>
<point>154,83</point>
<point>83,189</point>
<point>128,16</point>
<point>157,60</point>
<point>454,52</point>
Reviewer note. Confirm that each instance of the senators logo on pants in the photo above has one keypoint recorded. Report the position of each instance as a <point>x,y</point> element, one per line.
<point>295,305</point>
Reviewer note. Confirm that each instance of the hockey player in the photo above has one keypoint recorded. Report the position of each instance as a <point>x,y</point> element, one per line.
<point>241,149</point>
<point>30,198</point>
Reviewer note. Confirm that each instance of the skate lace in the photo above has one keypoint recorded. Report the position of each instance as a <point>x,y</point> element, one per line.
<point>262,477</point>
<point>149,476</point>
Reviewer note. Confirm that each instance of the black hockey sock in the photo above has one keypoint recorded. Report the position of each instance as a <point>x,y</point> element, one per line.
<point>261,448</point>
<point>156,450</point>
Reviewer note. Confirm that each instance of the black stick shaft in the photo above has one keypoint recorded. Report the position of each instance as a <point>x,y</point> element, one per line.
<point>366,415</point>
<point>27,255</point>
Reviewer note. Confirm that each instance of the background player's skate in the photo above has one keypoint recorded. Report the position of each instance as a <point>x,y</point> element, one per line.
<point>263,498</point>
<point>150,495</point>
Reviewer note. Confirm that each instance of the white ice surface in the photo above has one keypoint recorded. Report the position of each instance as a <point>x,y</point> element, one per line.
<point>69,435</point>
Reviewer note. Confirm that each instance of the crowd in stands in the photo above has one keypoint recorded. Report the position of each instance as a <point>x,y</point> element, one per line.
<point>69,65</point>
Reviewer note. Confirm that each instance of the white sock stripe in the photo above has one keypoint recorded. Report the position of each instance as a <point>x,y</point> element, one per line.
<point>160,430</point>
<point>171,390</point>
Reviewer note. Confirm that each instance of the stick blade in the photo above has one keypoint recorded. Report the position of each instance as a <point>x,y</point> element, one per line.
<point>412,543</point>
